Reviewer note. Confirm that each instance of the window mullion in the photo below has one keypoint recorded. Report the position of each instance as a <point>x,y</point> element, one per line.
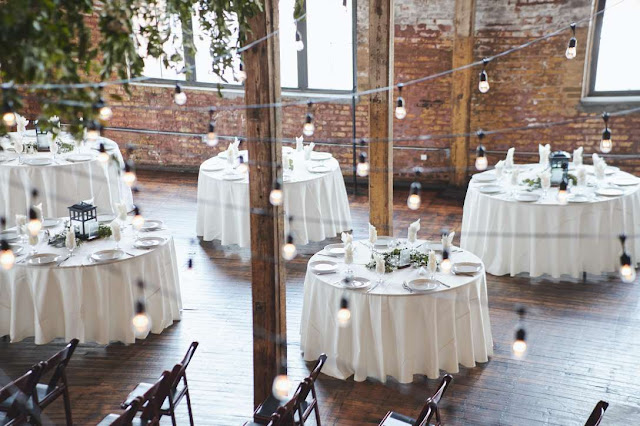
<point>303,77</point>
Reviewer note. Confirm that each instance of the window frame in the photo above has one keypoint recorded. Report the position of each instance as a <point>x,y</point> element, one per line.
<point>191,81</point>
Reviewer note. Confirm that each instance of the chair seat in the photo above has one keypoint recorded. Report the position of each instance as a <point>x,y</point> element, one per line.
<point>113,417</point>
<point>396,419</point>
<point>142,388</point>
<point>263,413</point>
<point>40,391</point>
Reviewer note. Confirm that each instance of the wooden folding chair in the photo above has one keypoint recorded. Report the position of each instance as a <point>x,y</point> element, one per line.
<point>597,414</point>
<point>124,419</point>
<point>179,389</point>
<point>285,414</point>
<point>429,408</point>
<point>15,397</point>
<point>154,397</point>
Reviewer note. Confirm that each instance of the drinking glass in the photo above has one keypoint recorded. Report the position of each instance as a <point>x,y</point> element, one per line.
<point>545,184</point>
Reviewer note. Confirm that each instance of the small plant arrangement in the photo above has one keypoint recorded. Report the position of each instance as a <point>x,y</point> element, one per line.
<point>536,183</point>
<point>59,239</point>
<point>392,259</point>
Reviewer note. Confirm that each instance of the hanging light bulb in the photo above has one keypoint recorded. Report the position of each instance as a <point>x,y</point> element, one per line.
<point>281,387</point>
<point>445,265</point>
<point>104,111</point>
<point>606,144</point>
<point>179,97</point>
<point>562,192</point>
<point>276,196</point>
<point>190,271</point>
<point>141,321</point>
<point>344,314</point>
<point>137,220</point>
<point>7,257</point>
<point>627,269</point>
<point>129,176</point>
<point>93,130</point>
<point>401,110</point>
<point>35,224</point>
<point>241,75</point>
<point>8,116</point>
<point>414,201</point>
<point>483,83</point>
<point>242,167</point>
<point>519,346</point>
<point>299,44</point>
<point>289,250</point>
<point>103,156</point>
<point>571,48</point>
<point>212,136</point>
<point>363,165</point>
<point>309,127</point>
<point>481,157</point>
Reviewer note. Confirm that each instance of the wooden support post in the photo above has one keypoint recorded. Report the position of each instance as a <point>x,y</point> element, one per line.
<point>380,118</point>
<point>264,132</point>
<point>465,14</point>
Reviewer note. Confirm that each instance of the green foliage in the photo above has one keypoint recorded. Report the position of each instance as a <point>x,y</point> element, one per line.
<point>104,231</point>
<point>391,259</point>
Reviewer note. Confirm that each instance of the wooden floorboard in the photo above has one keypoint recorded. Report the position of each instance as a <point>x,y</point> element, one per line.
<point>584,338</point>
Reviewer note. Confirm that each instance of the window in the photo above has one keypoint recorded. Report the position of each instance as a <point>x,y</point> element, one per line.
<point>325,63</point>
<point>615,59</point>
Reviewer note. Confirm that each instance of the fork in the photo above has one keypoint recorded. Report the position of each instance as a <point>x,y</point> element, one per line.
<point>406,287</point>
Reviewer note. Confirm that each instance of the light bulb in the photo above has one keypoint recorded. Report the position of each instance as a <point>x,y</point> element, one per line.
<point>141,324</point>
<point>519,348</point>
<point>483,86</point>
<point>242,167</point>
<point>562,196</point>
<point>9,118</point>
<point>276,196</point>
<point>103,157</point>
<point>241,75</point>
<point>627,273</point>
<point>299,44</point>
<point>281,387</point>
<point>105,113</point>
<point>137,220</point>
<point>482,163</point>
<point>571,48</point>
<point>401,111</point>
<point>289,250</point>
<point>7,257</point>
<point>34,226</point>
<point>445,266</point>
<point>413,202</point>
<point>308,128</point>
<point>362,169</point>
<point>93,134</point>
<point>190,271</point>
<point>129,176</point>
<point>344,314</point>
<point>606,144</point>
<point>179,97</point>
<point>212,136</point>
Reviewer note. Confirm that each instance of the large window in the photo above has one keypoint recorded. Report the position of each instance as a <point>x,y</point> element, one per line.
<point>615,59</point>
<point>325,63</point>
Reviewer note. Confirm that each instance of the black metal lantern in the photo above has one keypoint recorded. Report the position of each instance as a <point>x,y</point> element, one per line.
<point>559,162</point>
<point>84,219</point>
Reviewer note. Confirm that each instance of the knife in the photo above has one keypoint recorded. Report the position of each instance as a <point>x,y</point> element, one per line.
<point>63,260</point>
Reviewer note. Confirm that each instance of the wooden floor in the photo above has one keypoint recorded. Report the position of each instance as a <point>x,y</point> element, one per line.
<point>584,339</point>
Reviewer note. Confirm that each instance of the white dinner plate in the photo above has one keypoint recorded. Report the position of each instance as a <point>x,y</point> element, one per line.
<point>106,218</point>
<point>42,259</point>
<point>147,243</point>
<point>79,158</point>
<point>323,267</point>
<point>435,247</point>
<point>422,284</point>
<point>625,181</point>
<point>233,176</point>
<point>10,235</point>
<point>382,242</point>
<point>151,225</point>
<point>610,170</point>
<point>356,283</point>
<point>609,192</point>
<point>213,166</point>
<point>37,161</point>
<point>336,250</point>
<point>490,189</point>
<point>320,156</point>
<point>51,222</point>
<point>485,177</point>
<point>320,168</point>
<point>578,198</point>
<point>466,268</point>
<point>527,197</point>
<point>242,153</point>
<point>106,255</point>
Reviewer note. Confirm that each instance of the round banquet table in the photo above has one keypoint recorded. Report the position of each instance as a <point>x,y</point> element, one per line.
<point>63,182</point>
<point>393,332</point>
<point>546,237</point>
<point>317,202</point>
<point>88,301</point>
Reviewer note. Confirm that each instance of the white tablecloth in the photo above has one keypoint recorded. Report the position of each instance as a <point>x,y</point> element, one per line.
<point>62,184</point>
<point>318,203</point>
<point>91,302</point>
<point>548,238</point>
<point>392,332</point>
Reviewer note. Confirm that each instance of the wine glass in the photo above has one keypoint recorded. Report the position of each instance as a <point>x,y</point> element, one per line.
<point>348,261</point>
<point>70,242</point>
<point>54,148</point>
<point>33,242</point>
<point>545,184</point>
<point>117,237</point>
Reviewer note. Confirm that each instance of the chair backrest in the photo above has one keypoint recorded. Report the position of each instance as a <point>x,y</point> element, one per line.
<point>597,414</point>
<point>285,414</point>
<point>157,394</point>
<point>185,363</point>
<point>311,378</point>
<point>434,399</point>
<point>431,409</point>
<point>59,361</point>
<point>23,387</point>
<point>126,418</point>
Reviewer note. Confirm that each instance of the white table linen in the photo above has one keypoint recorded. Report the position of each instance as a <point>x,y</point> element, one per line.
<point>318,203</point>
<point>91,302</point>
<point>393,332</point>
<point>546,237</point>
<point>62,183</point>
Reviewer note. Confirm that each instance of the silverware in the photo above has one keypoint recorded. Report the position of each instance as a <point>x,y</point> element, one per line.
<point>372,288</point>
<point>446,285</point>
<point>406,287</point>
<point>132,255</point>
<point>63,260</point>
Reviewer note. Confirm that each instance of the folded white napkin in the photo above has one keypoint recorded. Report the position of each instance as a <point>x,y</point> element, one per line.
<point>88,201</point>
<point>33,239</point>
<point>447,240</point>
<point>595,158</point>
<point>299,145</point>
<point>432,265</point>
<point>544,151</point>
<point>373,234</point>
<point>38,209</point>
<point>21,123</point>
<point>545,179</point>
<point>115,230</point>
<point>231,156</point>
<point>348,253</point>
<point>53,145</point>
<point>599,167</point>
<point>514,177</point>
<point>70,240</point>
<point>121,209</point>
<point>581,175</point>
<point>412,232</point>
<point>347,238</point>
<point>18,145</point>
<point>307,150</point>
<point>499,168</point>
<point>577,156</point>
<point>380,267</point>
<point>508,162</point>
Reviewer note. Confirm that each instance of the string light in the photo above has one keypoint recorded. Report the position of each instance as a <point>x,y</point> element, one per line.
<point>7,257</point>
<point>179,96</point>
<point>190,271</point>
<point>242,167</point>
<point>562,192</point>
<point>103,156</point>
<point>627,269</point>
<point>344,314</point>
<point>212,136</point>
<point>129,176</point>
<point>362,169</point>
<point>519,346</point>
<point>445,265</point>
<point>571,48</point>
<point>483,83</point>
<point>137,220</point>
<point>299,44</point>
<point>94,128</point>
<point>104,110</point>
<point>241,75</point>
<point>276,196</point>
<point>289,250</point>
<point>309,127</point>
<point>141,321</point>
<point>481,157</point>
<point>281,387</point>
<point>401,110</point>
<point>414,201</point>
<point>8,116</point>
<point>35,224</point>
<point>606,144</point>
